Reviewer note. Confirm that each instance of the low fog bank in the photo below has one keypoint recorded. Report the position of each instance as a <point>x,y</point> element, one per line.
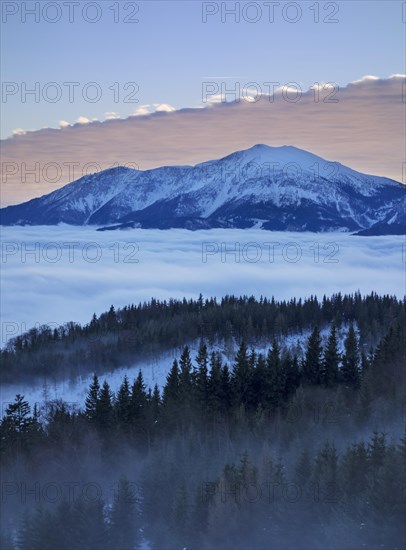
<point>53,275</point>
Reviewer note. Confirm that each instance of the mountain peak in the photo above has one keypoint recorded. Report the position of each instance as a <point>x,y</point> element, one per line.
<point>265,147</point>
<point>277,188</point>
<point>262,153</point>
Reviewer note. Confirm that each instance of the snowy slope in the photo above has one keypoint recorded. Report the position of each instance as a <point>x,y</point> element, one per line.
<point>277,188</point>
<point>154,371</point>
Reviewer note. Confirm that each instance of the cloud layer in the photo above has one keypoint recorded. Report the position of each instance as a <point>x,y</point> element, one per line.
<point>69,274</point>
<point>364,129</point>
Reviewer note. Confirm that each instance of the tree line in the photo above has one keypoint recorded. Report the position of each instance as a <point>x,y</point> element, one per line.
<point>121,337</point>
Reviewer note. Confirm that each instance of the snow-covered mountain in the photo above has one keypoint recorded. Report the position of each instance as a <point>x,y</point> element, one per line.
<point>275,188</point>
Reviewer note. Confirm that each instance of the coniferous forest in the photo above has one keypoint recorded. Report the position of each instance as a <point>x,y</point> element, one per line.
<point>286,449</point>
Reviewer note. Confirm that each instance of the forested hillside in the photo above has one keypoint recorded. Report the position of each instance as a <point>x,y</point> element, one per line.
<point>269,451</point>
<point>129,335</point>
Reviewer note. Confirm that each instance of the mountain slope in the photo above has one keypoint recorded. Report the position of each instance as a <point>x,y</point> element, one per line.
<point>393,224</point>
<point>276,188</point>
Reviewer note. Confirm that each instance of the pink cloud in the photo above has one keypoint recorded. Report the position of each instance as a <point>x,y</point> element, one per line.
<point>364,129</point>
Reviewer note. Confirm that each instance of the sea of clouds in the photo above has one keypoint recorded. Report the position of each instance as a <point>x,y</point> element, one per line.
<point>51,275</point>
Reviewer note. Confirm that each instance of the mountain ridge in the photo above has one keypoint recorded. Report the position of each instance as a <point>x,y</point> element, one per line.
<point>276,188</point>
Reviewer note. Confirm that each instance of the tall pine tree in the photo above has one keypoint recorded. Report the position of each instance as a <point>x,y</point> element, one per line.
<point>312,364</point>
<point>92,399</point>
<point>124,532</point>
<point>331,360</point>
<point>241,376</point>
<point>350,368</point>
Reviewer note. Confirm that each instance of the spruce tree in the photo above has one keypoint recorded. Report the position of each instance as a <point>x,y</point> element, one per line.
<point>303,469</point>
<point>171,397</point>
<point>312,364</point>
<point>376,452</point>
<point>226,391</point>
<point>180,517</point>
<point>138,399</point>
<point>199,514</point>
<point>171,388</point>
<point>18,416</point>
<point>292,375</point>
<point>43,531</point>
<point>111,318</point>
<point>88,528</point>
<point>104,415</point>
<point>241,376</point>
<point>124,532</point>
<point>92,399</point>
<point>185,379</point>
<point>258,382</point>
<point>331,359</point>
<point>201,379</point>
<point>350,368</point>
<point>19,430</point>
<point>215,383</point>
<point>275,378</point>
<point>354,471</point>
<point>325,478</point>
<point>155,404</point>
<point>139,410</point>
<point>123,404</point>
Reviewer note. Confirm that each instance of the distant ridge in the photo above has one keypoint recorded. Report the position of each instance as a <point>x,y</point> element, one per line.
<point>274,188</point>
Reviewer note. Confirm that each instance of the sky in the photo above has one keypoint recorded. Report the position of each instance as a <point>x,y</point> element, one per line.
<point>176,46</point>
<point>81,79</point>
